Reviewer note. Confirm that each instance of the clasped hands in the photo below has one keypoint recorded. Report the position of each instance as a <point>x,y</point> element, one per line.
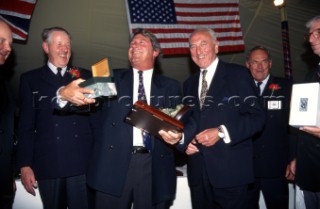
<point>207,138</point>
<point>75,94</point>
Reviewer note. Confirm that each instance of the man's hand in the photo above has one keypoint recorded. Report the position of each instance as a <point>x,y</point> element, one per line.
<point>192,148</point>
<point>208,137</point>
<point>170,137</point>
<point>291,170</point>
<point>75,94</point>
<point>28,180</point>
<point>311,130</point>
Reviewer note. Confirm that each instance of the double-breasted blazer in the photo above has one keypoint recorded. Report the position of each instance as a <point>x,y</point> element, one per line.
<point>52,142</point>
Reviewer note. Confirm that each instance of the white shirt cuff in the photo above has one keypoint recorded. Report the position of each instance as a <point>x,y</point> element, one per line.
<point>61,103</point>
<point>226,138</point>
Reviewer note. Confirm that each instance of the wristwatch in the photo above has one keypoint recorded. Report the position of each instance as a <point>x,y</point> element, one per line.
<point>220,133</point>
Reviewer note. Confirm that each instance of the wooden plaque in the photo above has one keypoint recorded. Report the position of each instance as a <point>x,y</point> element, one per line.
<point>152,120</point>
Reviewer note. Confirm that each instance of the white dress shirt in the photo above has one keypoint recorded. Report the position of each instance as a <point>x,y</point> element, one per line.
<point>147,77</point>
<point>209,76</point>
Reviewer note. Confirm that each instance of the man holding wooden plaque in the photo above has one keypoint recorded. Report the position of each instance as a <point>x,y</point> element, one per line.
<point>128,166</point>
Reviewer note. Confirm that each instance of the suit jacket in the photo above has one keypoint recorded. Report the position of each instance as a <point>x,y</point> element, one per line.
<point>114,140</point>
<point>271,145</point>
<point>7,109</point>
<point>308,155</point>
<point>52,142</point>
<point>231,100</point>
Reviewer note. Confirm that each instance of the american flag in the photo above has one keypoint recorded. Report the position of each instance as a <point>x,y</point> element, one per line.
<point>17,13</point>
<point>172,21</point>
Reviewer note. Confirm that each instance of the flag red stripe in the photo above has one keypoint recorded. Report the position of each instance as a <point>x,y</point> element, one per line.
<point>206,14</point>
<point>184,5</point>
<point>185,40</point>
<point>209,22</point>
<point>17,6</point>
<point>175,51</point>
<point>18,33</point>
<point>177,30</point>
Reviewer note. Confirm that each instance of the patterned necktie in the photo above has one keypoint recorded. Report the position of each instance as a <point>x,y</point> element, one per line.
<point>142,97</point>
<point>258,87</point>
<point>204,88</point>
<point>59,73</point>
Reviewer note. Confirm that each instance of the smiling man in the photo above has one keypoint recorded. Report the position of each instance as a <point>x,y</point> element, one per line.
<point>7,109</point>
<point>306,166</point>
<point>271,145</point>
<point>54,147</point>
<point>220,156</point>
<point>131,169</point>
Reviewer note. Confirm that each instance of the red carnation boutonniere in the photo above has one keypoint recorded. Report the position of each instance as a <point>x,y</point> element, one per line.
<point>274,87</point>
<point>74,72</point>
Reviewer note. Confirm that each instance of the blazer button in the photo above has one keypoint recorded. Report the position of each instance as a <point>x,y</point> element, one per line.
<point>58,137</point>
<point>76,136</point>
<point>111,147</point>
<point>74,123</point>
<point>113,124</point>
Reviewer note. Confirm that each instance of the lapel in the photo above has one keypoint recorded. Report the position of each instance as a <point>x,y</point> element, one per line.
<point>217,84</point>
<point>49,77</point>
<point>267,91</point>
<point>193,89</point>
<point>67,77</point>
<point>156,90</point>
<point>124,85</point>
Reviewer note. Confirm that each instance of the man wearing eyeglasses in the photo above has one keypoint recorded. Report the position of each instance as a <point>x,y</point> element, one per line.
<point>271,145</point>
<point>305,169</point>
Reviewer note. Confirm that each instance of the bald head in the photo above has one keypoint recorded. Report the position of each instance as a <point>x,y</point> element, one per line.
<point>5,41</point>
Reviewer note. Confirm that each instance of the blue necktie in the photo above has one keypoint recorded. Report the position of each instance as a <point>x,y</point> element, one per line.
<point>142,97</point>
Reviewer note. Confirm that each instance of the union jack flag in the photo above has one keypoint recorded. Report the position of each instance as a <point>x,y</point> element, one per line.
<point>172,21</point>
<point>17,13</point>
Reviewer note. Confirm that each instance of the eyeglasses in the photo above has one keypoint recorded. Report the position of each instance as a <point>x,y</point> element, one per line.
<point>315,34</point>
<point>256,63</point>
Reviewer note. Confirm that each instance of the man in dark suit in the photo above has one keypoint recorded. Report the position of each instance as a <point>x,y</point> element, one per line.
<point>124,171</point>
<point>271,145</point>
<point>53,146</point>
<point>7,109</point>
<point>228,115</point>
<point>306,166</point>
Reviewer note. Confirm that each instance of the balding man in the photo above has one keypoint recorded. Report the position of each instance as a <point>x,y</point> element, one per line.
<point>7,108</point>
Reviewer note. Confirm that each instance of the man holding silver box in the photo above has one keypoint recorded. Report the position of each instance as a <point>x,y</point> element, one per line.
<point>306,167</point>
